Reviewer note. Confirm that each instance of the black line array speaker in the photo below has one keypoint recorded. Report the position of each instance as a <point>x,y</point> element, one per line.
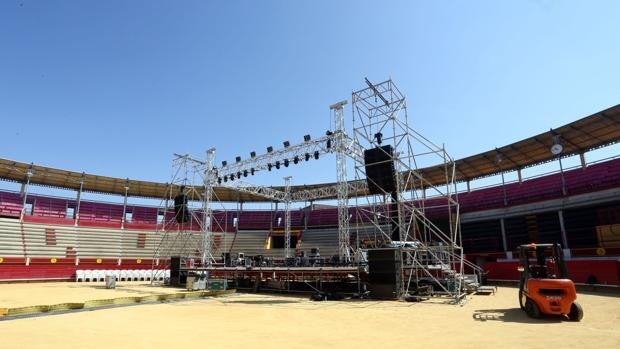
<point>175,271</point>
<point>384,273</point>
<point>181,212</point>
<point>380,172</point>
<point>227,259</point>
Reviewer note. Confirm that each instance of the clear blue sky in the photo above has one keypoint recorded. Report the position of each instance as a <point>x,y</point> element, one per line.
<point>115,87</point>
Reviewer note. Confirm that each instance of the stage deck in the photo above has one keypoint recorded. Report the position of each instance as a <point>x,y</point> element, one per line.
<point>286,273</point>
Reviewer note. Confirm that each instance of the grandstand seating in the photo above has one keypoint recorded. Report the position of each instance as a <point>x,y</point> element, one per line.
<point>97,242</point>
<point>11,238</point>
<point>251,242</point>
<point>578,181</point>
<point>10,204</point>
<point>324,239</point>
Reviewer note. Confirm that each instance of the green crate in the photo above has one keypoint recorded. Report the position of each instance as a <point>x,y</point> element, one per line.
<point>217,284</point>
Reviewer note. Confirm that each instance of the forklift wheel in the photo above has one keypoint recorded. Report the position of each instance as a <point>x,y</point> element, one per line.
<point>532,309</point>
<point>576,312</point>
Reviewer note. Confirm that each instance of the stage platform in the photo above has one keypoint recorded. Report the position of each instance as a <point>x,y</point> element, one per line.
<point>286,273</point>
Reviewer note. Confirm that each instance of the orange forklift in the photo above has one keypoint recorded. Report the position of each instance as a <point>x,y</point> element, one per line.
<point>544,286</point>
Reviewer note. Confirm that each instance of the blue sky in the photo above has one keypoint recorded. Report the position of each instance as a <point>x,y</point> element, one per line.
<point>116,87</point>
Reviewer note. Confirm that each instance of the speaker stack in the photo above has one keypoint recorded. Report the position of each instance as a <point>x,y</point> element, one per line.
<point>176,276</point>
<point>384,273</point>
<point>380,172</point>
<point>381,179</point>
<point>181,212</point>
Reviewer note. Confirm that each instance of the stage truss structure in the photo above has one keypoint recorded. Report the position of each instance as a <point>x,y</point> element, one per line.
<point>402,218</point>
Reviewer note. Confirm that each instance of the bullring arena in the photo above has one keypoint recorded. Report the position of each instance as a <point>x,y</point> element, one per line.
<point>400,250</point>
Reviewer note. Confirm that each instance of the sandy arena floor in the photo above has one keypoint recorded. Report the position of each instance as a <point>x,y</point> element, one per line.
<point>267,321</point>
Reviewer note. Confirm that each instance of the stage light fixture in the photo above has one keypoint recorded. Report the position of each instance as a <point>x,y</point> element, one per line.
<point>307,138</point>
<point>296,160</point>
<point>225,178</point>
<point>286,144</point>
<point>245,173</point>
<point>224,163</point>
<point>307,156</point>
<point>269,167</point>
<point>239,175</point>
<point>269,149</point>
<point>238,159</point>
<point>285,162</point>
<point>328,133</point>
<point>252,171</point>
<point>232,177</point>
<point>329,143</point>
<point>219,180</point>
<point>253,154</point>
<point>379,137</point>
<point>277,165</point>
<point>316,155</point>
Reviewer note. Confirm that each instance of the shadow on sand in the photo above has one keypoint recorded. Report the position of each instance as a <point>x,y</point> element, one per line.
<point>512,315</point>
<point>262,301</point>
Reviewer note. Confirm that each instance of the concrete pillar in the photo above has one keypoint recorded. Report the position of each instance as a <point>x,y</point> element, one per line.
<point>503,228</point>
<point>563,229</point>
<point>582,157</point>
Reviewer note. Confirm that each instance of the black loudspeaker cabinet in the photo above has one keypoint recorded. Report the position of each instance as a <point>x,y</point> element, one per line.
<point>384,273</point>
<point>181,212</point>
<point>175,271</point>
<point>226,258</point>
<point>380,172</point>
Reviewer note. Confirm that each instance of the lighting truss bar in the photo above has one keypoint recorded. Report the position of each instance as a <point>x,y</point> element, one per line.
<point>260,162</point>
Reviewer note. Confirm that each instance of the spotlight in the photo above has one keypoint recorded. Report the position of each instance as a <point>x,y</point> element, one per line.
<point>225,178</point>
<point>286,144</point>
<point>316,155</point>
<point>296,160</point>
<point>239,174</point>
<point>379,137</point>
<point>269,149</point>
<point>328,133</point>
<point>252,171</point>
<point>253,154</point>
<point>224,163</point>
<point>219,180</point>
<point>285,162</point>
<point>238,159</point>
<point>307,156</point>
<point>269,167</point>
<point>232,177</point>
<point>307,138</point>
<point>245,173</point>
<point>277,165</point>
<point>329,143</point>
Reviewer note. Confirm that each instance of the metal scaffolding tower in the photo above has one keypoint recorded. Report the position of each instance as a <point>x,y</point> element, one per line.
<point>340,140</point>
<point>287,217</point>
<point>399,215</point>
<point>210,181</point>
<point>191,239</point>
